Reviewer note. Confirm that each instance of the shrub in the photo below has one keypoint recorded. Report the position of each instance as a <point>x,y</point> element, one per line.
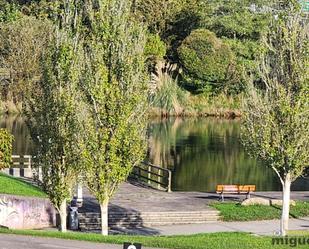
<point>169,97</point>
<point>207,61</point>
<point>8,12</point>
<point>6,140</point>
<point>22,43</point>
<point>155,48</point>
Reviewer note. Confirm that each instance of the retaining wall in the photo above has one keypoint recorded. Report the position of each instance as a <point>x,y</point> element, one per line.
<point>17,212</point>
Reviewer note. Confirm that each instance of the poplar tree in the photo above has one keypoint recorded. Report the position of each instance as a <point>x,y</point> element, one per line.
<point>54,110</point>
<point>114,86</point>
<point>6,140</point>
<point>276,120</point>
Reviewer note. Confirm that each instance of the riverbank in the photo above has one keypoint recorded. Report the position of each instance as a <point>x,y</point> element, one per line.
<point>220,106</point>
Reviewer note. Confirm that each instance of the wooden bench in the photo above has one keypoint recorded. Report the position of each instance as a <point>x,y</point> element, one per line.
<point>235,189</point>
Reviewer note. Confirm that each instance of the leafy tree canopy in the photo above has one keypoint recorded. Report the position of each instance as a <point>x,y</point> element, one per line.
<point>207,61</point>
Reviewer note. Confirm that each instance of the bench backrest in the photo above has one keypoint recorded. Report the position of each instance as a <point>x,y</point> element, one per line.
<point>246,188</point>
<point>236,188</point>
<point>228,188</point>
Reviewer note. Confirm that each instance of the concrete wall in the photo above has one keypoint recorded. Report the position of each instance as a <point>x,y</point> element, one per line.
<point>17,212</point>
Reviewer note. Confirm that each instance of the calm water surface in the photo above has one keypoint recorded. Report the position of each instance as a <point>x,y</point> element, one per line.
<point>205,152</point>
<point>200,152</point>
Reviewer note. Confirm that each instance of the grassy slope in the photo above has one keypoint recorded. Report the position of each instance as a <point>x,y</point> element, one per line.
<point>236,212</point>
<point>14,186</point>
<point>199,241</point>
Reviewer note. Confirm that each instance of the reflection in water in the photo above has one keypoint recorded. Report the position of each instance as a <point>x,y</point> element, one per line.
<point>16,125</point>
<point>205,152</point>
<point>201,153</point>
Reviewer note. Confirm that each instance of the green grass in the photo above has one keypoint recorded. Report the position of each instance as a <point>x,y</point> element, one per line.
<point>236,212</point>
<point>199,241</point>
<point>14,186</point>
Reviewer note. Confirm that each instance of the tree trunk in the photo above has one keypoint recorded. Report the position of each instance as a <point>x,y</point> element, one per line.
<point>63,216</point>
<point>286,193</point>
<point>104,217</point>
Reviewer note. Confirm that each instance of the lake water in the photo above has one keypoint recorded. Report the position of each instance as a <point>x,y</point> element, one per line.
<point>200,152</point>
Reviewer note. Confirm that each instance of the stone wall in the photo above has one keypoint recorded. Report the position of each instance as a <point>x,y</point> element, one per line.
<point>17,212</point>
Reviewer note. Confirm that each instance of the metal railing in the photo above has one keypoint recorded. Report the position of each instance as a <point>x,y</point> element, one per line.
<point>154,176</point>
<point>21,161</point>
<point>21,166</point>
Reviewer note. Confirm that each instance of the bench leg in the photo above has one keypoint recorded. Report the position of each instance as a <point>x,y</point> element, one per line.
<point>248,196</point>
<point>221,197</point>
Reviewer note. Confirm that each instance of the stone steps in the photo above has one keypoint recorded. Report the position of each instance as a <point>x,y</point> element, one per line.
<point>91,221</point>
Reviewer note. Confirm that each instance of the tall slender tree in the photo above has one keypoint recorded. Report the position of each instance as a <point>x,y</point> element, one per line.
<point>114,85</point>
<point>6,140</point>
<point>53,108</point>
<point>276,122</point>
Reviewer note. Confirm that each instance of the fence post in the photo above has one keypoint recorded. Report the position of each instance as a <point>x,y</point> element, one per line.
<point>149,174</point>
<point>169,186</point>
<point>159,173</point>
<point>27,170</point>
<point>29,162</point>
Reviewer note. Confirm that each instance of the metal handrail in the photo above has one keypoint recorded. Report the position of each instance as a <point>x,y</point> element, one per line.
<point>162,174</point>
<point>21,161</point>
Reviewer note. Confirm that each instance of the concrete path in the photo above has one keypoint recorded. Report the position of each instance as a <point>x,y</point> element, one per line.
<point>134,197</point>
<point>264,227</point>
<point>28,242</point>
<point>257,227</point>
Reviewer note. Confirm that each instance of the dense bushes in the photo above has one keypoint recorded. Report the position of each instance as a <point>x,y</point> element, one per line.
<point>155,48</point>
<point>22,43</point>
<point>211,45</point>
<point>207,61</point>
<point>6,140</point>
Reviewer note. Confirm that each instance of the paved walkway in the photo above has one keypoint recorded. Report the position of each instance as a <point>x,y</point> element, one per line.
<point>256,227</point>
<point>264,227</point>
<point>138,198</point>
<point>28,242</point>
<point>134,197</point>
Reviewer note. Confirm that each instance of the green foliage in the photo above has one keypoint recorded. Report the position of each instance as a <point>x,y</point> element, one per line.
<point>22,43</point>
<point>155,48</point>
<point>169,97</point>
<point>206,60</point>
<point>158,14</point>
<point>6,140</point>
<point>54,111</point>
<point>276,123</point>
<point>276,120</point>
<point>13,186</point>
<point>114,85</point>
<point>241,20</point>
<point>241,24</point>
<point>173,20</point>
<point>8,12</point>
<point>237,212</point>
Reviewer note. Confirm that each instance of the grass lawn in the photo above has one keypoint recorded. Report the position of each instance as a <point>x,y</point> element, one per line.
<point>235,212</point>
<point>14,186</point>
<point>199,241</point>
